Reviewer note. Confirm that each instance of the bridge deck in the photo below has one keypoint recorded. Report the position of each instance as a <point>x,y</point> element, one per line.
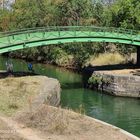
<point>44,36</point>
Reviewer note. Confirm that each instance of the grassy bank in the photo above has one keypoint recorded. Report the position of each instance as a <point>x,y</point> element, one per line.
<point>107,59</point>
<point>58,124</point>
<point>16,93</point>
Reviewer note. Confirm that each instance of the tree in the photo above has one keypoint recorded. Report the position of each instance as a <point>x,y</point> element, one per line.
<point>123,14</point>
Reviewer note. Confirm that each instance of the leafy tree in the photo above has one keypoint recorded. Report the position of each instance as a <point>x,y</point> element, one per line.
<point>123,14</point>
<point>5,19</point>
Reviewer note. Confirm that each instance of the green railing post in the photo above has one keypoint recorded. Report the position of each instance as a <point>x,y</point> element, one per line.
<point>26,36</point>
<point>59,33</point>
<point>131,33</point>
<point>43,34</point>
<point>13,37</point>
<point>74,32</point>
<point>24,45</point>
<point>118,32</point>
<point>9,41</point>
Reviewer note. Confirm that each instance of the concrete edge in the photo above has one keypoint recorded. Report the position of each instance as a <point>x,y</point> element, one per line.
<point>115,127</point>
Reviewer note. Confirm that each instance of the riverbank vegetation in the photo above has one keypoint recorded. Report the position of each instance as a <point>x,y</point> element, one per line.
<point>36,13</point>
<point>106,59</point>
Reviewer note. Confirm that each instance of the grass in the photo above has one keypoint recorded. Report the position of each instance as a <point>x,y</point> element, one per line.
<point>80,110</point>
<point>107,59</point>
<point>46,119</point>
<point>15,93</point>
<point>52,120</point>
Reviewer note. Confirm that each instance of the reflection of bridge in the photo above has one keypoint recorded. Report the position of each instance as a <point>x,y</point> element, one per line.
<point>26,38</point>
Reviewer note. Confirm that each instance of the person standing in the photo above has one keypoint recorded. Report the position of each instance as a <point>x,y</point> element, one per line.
<point>9,66</point>
<point>30,67</point>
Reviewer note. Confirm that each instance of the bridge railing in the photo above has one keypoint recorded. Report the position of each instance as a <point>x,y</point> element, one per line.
<point>71,28</point>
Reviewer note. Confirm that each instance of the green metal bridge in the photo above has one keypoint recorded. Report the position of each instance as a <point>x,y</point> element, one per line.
<point>33,37</point>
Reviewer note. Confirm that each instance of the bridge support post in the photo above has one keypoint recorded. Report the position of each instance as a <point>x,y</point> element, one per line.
<point>138,55</point>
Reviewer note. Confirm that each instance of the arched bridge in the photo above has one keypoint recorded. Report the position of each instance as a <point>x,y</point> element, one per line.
<point>27,38</point>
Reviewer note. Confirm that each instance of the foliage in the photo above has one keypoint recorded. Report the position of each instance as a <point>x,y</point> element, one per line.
<point>107,59</point>
<point>59,57</point>
<point>36,13</point>
<point>98,81</point>
<point>5,19</point>
<point>123,13</point>
<point>95,79</point>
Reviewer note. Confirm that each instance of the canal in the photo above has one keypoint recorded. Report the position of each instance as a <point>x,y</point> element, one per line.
<point>121,112</point>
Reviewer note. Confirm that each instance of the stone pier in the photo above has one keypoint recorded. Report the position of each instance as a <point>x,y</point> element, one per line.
<point>120,85</point>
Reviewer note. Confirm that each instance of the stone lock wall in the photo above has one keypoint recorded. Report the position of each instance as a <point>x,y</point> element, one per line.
<point>50,93</point>
<point>121,85</point>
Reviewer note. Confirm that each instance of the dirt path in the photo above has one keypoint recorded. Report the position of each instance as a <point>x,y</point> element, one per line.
<point>25,133</point>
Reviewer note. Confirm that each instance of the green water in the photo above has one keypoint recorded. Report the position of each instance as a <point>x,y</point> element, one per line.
<point>121,112</point>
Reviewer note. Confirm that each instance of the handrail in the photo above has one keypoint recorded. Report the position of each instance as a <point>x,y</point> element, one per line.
<point>59,28</point>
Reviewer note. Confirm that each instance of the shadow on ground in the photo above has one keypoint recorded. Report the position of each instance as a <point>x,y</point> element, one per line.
<point>111,67</point>
<point>75,85</point>
<point>16,74</point>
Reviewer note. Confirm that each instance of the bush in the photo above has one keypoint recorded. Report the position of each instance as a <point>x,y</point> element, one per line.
<point>60,57</point>
<point>107,59</point>
<point>97,81</point>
